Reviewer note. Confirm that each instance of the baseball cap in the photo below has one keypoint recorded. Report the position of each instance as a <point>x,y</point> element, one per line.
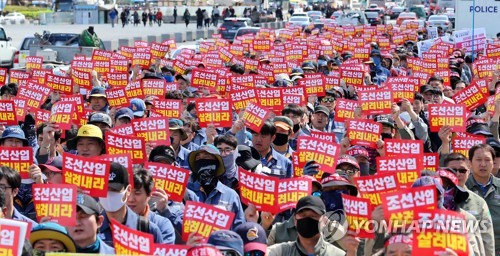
<point>356,151</point>
<point>429,181</point>
<point>186,78</point>
<point>53,231</point>
<point>177,124</point>
<point>118,176</point>
<point>211,149</point>
<point>48,167</point>
<point>248,157</point>
<point>227,240</point>
<point>479,129</point>
<point>314,181</point>
<point>447,173</point>
<point>86,131</point>
<point>99,117</point>
<point>124,112</point>
<point>385,119</point>
<point>297,72</point>
<point>88,204</point>
<point>494,143</point>
<point>137,106</point>
<point>97,92</point>
<point>347,159</point>
<point>162,153</point>
<point>253,235</point>
<point>14,132</point>
<point>337,180</point>
<point>308,65</point>
<point>283,122</point>
<point>322,109</point>
<point>311,203</point>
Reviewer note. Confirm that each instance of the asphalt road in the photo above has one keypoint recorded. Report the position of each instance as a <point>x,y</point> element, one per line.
<point>104,31</point>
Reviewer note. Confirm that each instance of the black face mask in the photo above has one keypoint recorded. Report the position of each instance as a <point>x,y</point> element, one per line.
<point>307,227</point>
<point>281,139</point>
<point>386,136</point>
<point>296,128</point>
<point>206,171</point>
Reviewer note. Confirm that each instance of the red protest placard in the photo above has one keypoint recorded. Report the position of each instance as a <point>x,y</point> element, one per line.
<point>439,231</point>
<point>21,105</point>
<point>59,83</point>
<point>358,213</point>
<point>204,78</point>
<point>254,116</point>
<point>259,190</point>
<point>57,201</point>
<point>40,115</point>
<point>8,113</point>
<point>89,174</point>
<point>376,102</point>
<point>351,77</point>
<point>129,241</point>
<point>399,206</point>
<point>271,98</point>
<point>374,186</point>
<point>297,99</point>
<point>117,79</point>
<point>17,158</point>
<point>82,78</point>
<point>11,238</point>
<point>122,144</point>
<point>396,147</point>
<point>39,75</point>
<point>154,87</point>
<point>453,115</point>
<point>82,65</point>
<point>170,178</point>
<point>203,219</point>
<point>159,50</point>
<point>99,54</point>
<point>407,167</point>
<point>431,161</point>
<point>240,99</point>
<point>168,108</point>
<point>263,45</point>
<point>35,93</point>
<point>102,66</point>
<point>462,145</point>
<point>134,90</point>
<point>34,62</point>
<point>142,59</point>
<point>345,109</point>
<point>314,84</point>
<point>363,132</point>
<point>243,80</point>
<point>15,75</point>
<point>3,76</point>
<point>471,96</point>
<point>171,249</point>
<point>445,74</point>
<point>117,97</point>
<point>324,152</point>
<point>290,191</point>
<point>123,159</point>
<point>153,129</point>
<point>327,136</point>
<point>62,114</point>
<point>217,112</point>
<point>118,65</point>
<point>402,91</point>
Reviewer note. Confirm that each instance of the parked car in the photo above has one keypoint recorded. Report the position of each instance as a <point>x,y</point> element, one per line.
<point>7,49</point>
<point>354,18</point>
<point>300,21</point>
<point>406,16</point>
<point>13,17</point>
<point>300,14</point>
<point>245,31</point>
<point>379,11</point>
<point>419,10</point>
<point>451,16</point>
<point>231,25</point>
<point>395,11</point>
<point>421,23</point>
<point>315,14</point>
<point>374,19</point>
<point>337,14</point>
<point>441,21</point>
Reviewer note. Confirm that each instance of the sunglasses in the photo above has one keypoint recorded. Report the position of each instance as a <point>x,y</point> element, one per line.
<point>328,99</point>
<point>461,170</point>
<point>254,253</point>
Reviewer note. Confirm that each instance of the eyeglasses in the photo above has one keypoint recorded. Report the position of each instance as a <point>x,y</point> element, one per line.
<point>347,172</point>
<point>328,99</point>
<point>225,151</point>
<point>254,253</point>
<point>4,187</point>
<point>462,170</point>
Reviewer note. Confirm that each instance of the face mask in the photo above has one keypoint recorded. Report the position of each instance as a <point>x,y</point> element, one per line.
<point>449,199</point>
<point>230,160</point>
<point>333,199</point>
<point>307,227</point>
<point>281,139</point>
<point>296,127</point>
<point>386,136</point>
<point>114,201</point>
<point>364,169</point>
<point>206,169</point>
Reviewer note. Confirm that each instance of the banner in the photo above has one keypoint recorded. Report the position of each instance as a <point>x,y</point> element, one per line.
<point>396,147</point>
<point>241,99</point>
<point>453,115</point>
<point>117,98</point>
<point>17,158</point>
<point>89,174</point>
<point>344,110</point>
<point>129,241</point>
<point>270,98</point>
<point>57,201</point>
<point>62,114</point>
<point>358,213</point>
<point>203,219</point>
<point>363,132</point>
<point>216,112</point>
<point>8,113</point>
<point>170,178</point>
<point>255,115</point>
<point>154,130</point>
<point>399,206</point>
<point>324,152</point>
<point>376,102</point>
<point>375,186</point>
<point>407,167</point>
<point>121,144</point>
<point>462,145</point>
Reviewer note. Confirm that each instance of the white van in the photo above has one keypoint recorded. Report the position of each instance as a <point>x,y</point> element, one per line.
<point>6,49</point>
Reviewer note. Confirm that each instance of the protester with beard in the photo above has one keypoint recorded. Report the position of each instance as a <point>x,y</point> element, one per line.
<point>207,166</point>
<point>284,132</point>
<point>309,240</point>
<point>227,144</point>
